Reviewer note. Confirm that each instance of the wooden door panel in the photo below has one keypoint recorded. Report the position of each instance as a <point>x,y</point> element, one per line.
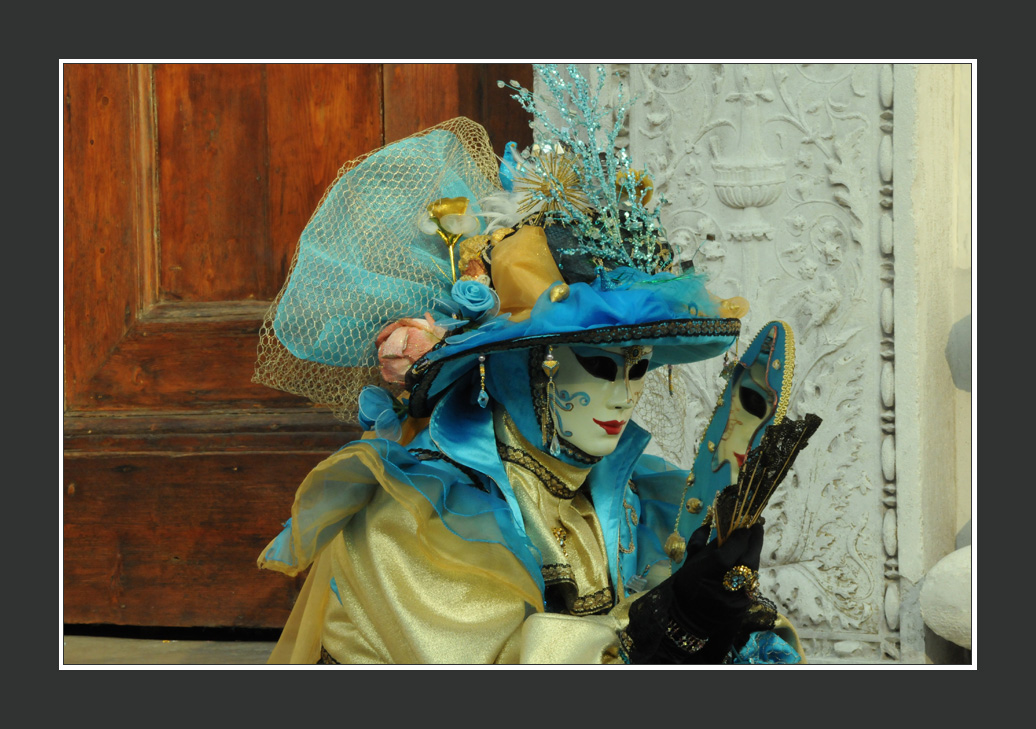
<point>212,182</point>
<point>245,153</point>
<point>212,262</point>
<point>419,95</point>
<point>107,214</point>
<point>165,514</point>
<point>186,188</point>
<point>185,357</point>
<point>170,538</point>
<point>309,106</point>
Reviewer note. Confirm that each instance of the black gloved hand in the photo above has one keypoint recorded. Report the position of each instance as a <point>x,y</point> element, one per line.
<point>701,604</point>
<point>691,617</point>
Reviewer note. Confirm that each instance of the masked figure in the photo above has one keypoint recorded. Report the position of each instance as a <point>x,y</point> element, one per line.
<point>500,507</point>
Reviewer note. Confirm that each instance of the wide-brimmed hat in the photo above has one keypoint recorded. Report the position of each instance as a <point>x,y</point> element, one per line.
<point>431,254</point>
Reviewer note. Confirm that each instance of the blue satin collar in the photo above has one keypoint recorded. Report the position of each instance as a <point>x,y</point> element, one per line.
<point>465,434</point>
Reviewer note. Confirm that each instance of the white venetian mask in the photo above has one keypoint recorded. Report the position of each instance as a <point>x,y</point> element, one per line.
<point>595,392</point>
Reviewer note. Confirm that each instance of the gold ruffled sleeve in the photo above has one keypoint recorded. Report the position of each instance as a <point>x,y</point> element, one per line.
<point>300,640</point>
<point>407,589</point>
<point>412,592</point>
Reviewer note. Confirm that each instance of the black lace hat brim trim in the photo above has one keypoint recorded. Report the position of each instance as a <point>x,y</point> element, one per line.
<point>424,373</point>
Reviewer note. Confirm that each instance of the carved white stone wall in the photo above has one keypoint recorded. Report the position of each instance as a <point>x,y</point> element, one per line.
<point>778,181</point>
<point>780,184</point>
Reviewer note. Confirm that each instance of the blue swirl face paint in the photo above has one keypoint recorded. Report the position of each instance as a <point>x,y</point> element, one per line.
<point>563,401</point>
<point>596,392</point>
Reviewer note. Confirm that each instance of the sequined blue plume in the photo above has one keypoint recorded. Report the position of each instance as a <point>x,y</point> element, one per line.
<point>609,216</point>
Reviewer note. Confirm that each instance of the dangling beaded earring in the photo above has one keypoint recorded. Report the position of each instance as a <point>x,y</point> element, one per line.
<point>550,366</point>
<point>483,397</point>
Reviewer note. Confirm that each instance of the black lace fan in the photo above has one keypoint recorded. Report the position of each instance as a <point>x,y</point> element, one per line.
<point>741,504</point>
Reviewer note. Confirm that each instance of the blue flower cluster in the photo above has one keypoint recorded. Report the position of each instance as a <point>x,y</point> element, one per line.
<point>470,302</point>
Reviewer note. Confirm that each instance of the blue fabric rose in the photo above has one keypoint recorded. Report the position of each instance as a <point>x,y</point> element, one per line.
<point>380,412</point>
<point>447,314</point>
<point>476,300</point>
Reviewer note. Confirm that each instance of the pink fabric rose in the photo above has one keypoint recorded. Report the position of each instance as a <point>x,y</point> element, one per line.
<point>403,342</point>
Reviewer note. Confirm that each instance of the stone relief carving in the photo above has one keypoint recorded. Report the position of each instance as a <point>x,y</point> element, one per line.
<point>779,182</point>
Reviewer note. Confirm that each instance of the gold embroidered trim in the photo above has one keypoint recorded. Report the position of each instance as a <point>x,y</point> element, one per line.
<point>631,515</point>
<point>555,573</point>
<point>626,645</point>
<point>552,483</point>
<point>789,370</point>
<point>576,454</point>
<point>587,604</point>
<point>682,639</point>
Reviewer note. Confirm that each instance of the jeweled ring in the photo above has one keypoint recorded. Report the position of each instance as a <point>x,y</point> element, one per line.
<point>739,577</point>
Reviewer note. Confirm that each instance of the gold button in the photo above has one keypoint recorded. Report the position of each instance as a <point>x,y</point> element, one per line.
<point>712,447</point>
<point>734,308</point>
<point>693,505</point>
<point>559,292</point>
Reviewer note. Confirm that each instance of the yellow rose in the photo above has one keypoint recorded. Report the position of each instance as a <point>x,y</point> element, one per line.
<point>448,206</point>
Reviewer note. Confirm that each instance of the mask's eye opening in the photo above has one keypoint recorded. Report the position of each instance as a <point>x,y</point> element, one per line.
<point>603,368</point>
<point>752,401</point>
<point>640,369</point>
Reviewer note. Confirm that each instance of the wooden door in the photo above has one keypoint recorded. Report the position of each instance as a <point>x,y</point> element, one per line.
<point>185,190</point>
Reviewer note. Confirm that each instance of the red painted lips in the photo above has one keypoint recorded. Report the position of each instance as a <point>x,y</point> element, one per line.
<point>611,427</point>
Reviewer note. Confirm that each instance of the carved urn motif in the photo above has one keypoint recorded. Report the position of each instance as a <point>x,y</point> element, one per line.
<point>748,180</point>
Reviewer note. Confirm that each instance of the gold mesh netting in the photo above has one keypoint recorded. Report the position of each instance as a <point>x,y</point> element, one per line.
<point>361,263</point>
